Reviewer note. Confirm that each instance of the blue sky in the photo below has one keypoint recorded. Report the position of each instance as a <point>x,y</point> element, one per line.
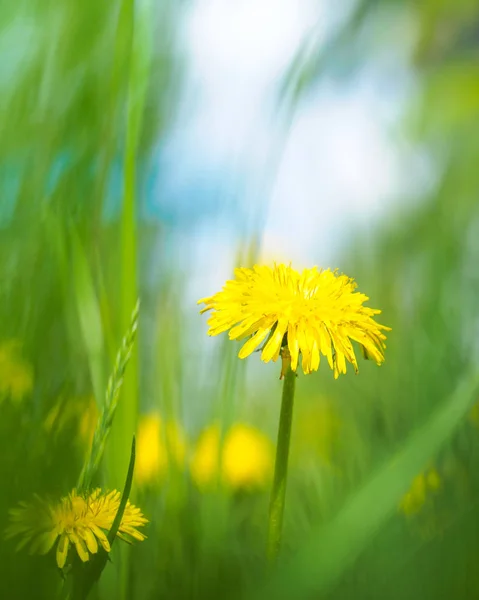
<point>339,167</point>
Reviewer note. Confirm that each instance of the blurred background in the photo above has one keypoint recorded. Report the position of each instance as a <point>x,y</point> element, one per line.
<point>146,149</point>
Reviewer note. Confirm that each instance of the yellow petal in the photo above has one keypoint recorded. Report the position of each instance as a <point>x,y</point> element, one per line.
<point>245,328</point>
<point>315,356</point>
<point>90,540</point>
<point>273,347</point>
<point>293,346</point>
<point>101,537</point>
<point>254,342</point>
<point>62,550</point>
<point>80,547</point>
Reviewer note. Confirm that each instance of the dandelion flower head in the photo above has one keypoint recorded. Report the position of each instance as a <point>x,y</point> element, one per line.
<point>246,460</point>
<point>79,521</point>
<point>159,445</point>
<point>247,457</point>
<point>312,313</point>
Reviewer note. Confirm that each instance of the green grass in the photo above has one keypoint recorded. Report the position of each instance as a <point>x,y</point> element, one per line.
<point>94,86</point>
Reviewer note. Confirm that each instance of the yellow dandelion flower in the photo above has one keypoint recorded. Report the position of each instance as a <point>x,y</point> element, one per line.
<point>246,459</point>
<point>420,492</point>
<point>157,445</point>
<point>205,461</point>
<point>82,521</point>
<point>16,375</point>
<point>312,313</point>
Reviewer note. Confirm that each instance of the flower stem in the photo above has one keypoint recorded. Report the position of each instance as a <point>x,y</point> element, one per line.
<point>278,492</point>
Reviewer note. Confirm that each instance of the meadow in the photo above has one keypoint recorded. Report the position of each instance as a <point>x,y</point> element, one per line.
<point>97,354</point>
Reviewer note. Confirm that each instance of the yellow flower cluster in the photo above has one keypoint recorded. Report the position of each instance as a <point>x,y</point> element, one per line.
<point>313,313</point>
<point>82,521</point>
<point>244,460</point>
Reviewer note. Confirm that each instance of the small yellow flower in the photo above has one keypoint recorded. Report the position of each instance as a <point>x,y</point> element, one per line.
<point>205,461</point>
<point>312,313</point>
<point>419,493</point>
<point>16,375</point>
<point>76,520</point>
<point>158,444</point>
<point>247,457</point>
<point>246,460</point>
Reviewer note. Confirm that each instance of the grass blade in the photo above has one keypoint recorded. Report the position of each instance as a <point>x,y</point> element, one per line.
<point>110,407</point>
<point>335,546</point>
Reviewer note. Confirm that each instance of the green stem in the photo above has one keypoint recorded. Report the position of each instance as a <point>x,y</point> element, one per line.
<point>278,492</point>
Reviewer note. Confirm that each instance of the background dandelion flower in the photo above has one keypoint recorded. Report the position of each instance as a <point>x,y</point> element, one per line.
<point>205,461</point>
<point>246,458</point>
<point>76,520</point>
<point>314,312</point>
<point>159,445</point>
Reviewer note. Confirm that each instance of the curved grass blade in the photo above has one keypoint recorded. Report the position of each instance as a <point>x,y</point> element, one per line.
<point>335,546</point>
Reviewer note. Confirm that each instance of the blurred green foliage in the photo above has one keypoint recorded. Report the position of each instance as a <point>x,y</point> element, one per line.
<point>86,93</point>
